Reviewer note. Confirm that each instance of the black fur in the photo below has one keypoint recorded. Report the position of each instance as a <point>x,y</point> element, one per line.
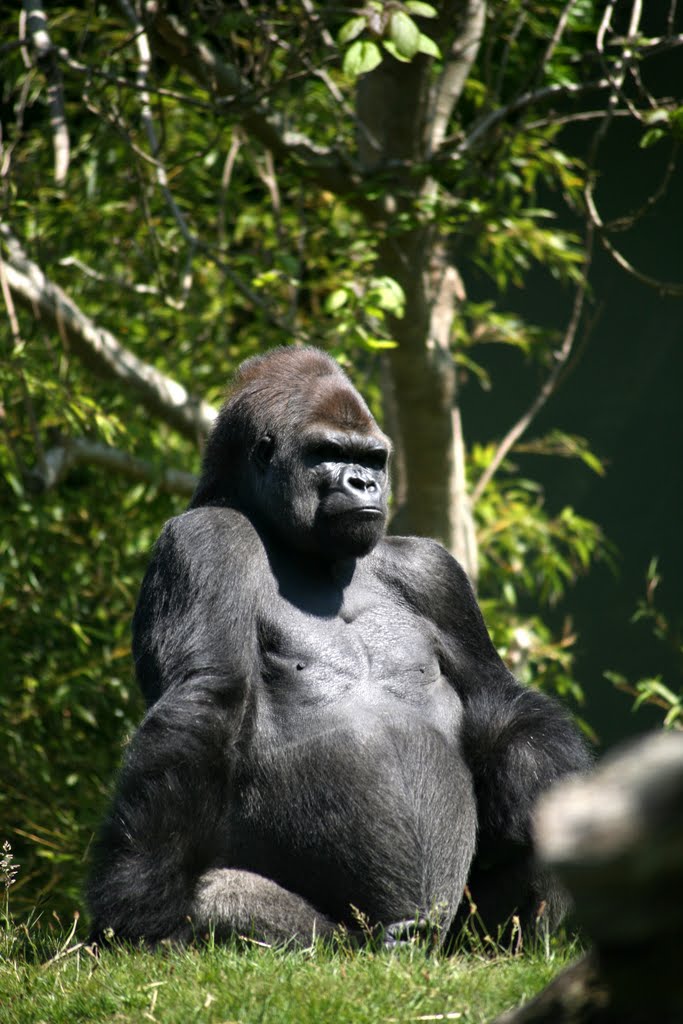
<point>330,729</point>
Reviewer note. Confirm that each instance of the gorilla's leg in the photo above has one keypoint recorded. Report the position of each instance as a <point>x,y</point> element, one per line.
<point>229,901</point>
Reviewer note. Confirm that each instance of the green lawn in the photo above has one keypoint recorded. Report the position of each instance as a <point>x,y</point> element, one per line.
<point>50,981</point>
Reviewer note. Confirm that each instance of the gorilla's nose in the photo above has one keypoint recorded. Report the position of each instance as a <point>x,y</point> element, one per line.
<point>356,480</point>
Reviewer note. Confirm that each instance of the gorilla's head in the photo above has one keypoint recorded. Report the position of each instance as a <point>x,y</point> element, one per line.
<point>296,448</point>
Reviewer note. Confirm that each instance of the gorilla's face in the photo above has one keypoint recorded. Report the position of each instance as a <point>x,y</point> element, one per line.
<point>326,491</point>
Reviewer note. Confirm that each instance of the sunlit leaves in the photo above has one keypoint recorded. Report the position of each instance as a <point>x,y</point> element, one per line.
<point>662,123</point>
<point>388,25</point>
<point>404,35</point>
<point>351,29</point>
<point>557,443</point>
<point>653,691</point>
<point>361,57</point>
<point>535,552</point>
<point>421,10</point>
<point>360,313</point>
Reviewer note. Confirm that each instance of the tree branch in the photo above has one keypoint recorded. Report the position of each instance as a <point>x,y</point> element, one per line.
<point>60,460</point>
<point>560,361</point>
<point>175,43</point>
<point>528,99</point>
<point>99,349</point>
<point>463,53</point>
<point>36,27</point>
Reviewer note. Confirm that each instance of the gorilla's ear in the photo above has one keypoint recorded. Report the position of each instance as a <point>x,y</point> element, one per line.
<point>263,451</point>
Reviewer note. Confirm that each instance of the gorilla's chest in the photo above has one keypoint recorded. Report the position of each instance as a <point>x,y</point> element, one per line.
<point>350,766</point>
<point>369,659</point>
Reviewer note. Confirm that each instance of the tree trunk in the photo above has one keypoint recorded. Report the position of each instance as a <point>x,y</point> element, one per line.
<point>422,377</point>
<point>395,110</point>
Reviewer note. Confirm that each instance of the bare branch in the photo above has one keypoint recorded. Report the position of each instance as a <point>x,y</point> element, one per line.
<point>626,221</point>
<point>561,356</point>
<point>557,35</point>
<point>145,60</point>
<point>616,81</point>
<point>99,349</point>
<point>92,72</point>
<point>60,460</point>
<point>671,288</point>
<point>18,343</point>
<point>119,282</point>
<point>316,20</point>
<point>36,27</point>
<point>463,53</point>
<point>528,99</point>
<point>557,121</point>
<point>228,166</point>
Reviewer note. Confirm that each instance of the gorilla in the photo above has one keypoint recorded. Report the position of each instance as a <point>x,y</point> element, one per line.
<point>330,734</point>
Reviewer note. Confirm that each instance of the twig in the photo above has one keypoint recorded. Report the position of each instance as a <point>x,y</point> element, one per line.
<point>556,36</point>
<point>36,27</point>
<point>18,344</point>
<point>671,288</point>
<point>125,83</point>
<point>226,176</point>
<point>627,221</point>
<point>527,99</point>
<point>561,358</point>
<point>509,43</point>
<point>463,53</point>
<point>223,80</point>
<point>98,348</point>
<point>61,459</point>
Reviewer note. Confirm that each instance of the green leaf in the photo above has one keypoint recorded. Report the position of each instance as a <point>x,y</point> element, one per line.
<point>85,714</point>
<point>651,136</point>
<point>404,34</point>
<point>388,293</point>
<point>380,343</point>
<point>421,10</point>
<point>78,630</point>
<point>336,299</point>
<point>658,116</point>
<point>428,46</point>
<point>394,51</point>
<point>676,122</point>
<point>350,29</point>
<point>361,57</point>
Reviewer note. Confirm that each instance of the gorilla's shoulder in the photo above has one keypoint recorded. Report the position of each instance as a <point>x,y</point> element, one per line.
<point>424,574</point>
<point>421,558</point>
<point>210,532</point>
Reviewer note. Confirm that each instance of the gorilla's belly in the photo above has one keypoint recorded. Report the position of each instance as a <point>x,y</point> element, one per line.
<point>380,817</point>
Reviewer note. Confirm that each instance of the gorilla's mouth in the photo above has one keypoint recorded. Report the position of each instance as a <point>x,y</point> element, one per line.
<point>363,512</point>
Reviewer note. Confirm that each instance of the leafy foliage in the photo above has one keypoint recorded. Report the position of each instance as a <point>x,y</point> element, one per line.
<point>199,241</point>
<point>653,690</point>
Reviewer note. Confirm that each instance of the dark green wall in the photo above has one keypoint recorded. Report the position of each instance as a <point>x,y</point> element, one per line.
<point>624,392</point>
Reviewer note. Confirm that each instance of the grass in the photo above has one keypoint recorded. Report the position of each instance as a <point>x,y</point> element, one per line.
<point>47,976</point>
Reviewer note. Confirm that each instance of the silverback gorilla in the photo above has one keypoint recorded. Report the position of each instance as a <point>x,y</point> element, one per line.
<point>330,729</point>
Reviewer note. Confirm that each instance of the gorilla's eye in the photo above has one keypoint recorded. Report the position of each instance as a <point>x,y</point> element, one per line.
<point>376,459</point>
<point>263,452</point>
<point>327,451</point>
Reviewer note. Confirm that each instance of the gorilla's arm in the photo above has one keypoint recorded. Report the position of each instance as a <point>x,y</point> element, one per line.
<point>195,612</point>
<point>516,741</point>
<point>161,832</point>
<point>154,874</point>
